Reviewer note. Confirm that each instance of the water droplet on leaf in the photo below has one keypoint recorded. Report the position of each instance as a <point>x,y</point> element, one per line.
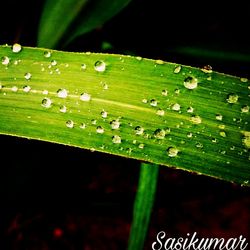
<point>26,89</point>
<point>70,124</point>
<point>190,82</point>
<point>176,107</point>
<point>5,60</point>
<point>85,97</point>
<point>153,102</point>
<point>46,102</point>
<point>245,109</point>
<point>115,124</point>
<point>172,152</point>
<point>47,54</point>
<point>27,76</point>
<point>63,109</point>
<point>139,130</point>
<point>62,93</point>
<point>16,48</point>
<point>177,69</point>
<point>195,119</point>
<point>100,130</point>
<point>116,139</point>
<point>232,98</point>
<point>100,66</point>
<point>159,133</point>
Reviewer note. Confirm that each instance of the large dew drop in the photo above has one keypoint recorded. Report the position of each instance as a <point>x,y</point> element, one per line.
<point>16,48</point>
<point>190,83</point>
<point>46,102</point>
<point>62,93</point>
<point>232,98</point>
<point>172,152</point>
<point>85,97</point>
<point>100,66</point>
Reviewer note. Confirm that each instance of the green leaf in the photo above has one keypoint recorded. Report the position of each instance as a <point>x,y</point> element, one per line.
<point>96,13</point>
<point>56,19</point>
<point>75,17</point>
<point>144,201</point>
<point>158,112</point>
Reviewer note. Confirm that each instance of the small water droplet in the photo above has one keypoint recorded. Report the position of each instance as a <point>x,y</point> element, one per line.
<point>70,124</point>
<point>141,146</point>
<point>14,89</point>
<point>190,109</point>
<point>189,135</point>
<point>45,92</point>
<point>83,66</point>
<point>62,93</point>
<point>160,62</point>
<point>93,121</point>
<point>246,138</point>
<point>172,152</point>
<point>115,124</point>
<point>100,66</point>
<point>176,107</point>
<point>195,119</point>
<point>177,91</point>
<point>190,82</point>
<point>53,62</point>
<point>63,109</point>
<point>245,109</point>
<point>232,98</point>
<point>104,114</point>
<point>160,112</point>
<point>5,60</point>
<point>198,145</point>
<point>221,126</point>
<point>116,139</point>
<point>85,97</point>
<point>164,92</point>
<point>177,69</point>
<point>223,134</point>
<point>153,102</point>
<point>46,102</point>
<point>214,140</point>
<point>26,88</point>
<point>47,54</point>
<point>207,69</point>
<point>139,130</point>
<point>100,130</point>
<point>244,79</point>
<point>27,76</point>
<point>144,100</point>
<point>219,117</point>
<point>159,133</point>
<point>105,86</point>
<point>82,126</point>
<point>16,48</point>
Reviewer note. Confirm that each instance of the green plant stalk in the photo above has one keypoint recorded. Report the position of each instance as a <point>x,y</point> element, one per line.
<point>129,106</point>
<point>143,204</point>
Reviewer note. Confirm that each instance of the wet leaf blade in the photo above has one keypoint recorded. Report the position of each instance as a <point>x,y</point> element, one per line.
<point>56,19</point>
<point>203,130</point>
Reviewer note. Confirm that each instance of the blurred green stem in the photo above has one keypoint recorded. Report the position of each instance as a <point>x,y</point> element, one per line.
<point>143,204</point>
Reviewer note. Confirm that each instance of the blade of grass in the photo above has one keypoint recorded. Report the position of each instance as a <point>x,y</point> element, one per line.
<point>96,13</point>
<point>143,204</point>
<point>129,106</point>
<point>76,17</point>
<point>56,19</point>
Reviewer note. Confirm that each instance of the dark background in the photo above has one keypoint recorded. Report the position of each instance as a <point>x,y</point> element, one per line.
<point>57,197</point>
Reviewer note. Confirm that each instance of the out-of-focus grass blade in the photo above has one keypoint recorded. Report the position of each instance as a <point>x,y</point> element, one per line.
<point>56,19</point>
<point>74,18</point>
<point>96,13</point>
<point>163,113</point>
<point>143,204</point>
